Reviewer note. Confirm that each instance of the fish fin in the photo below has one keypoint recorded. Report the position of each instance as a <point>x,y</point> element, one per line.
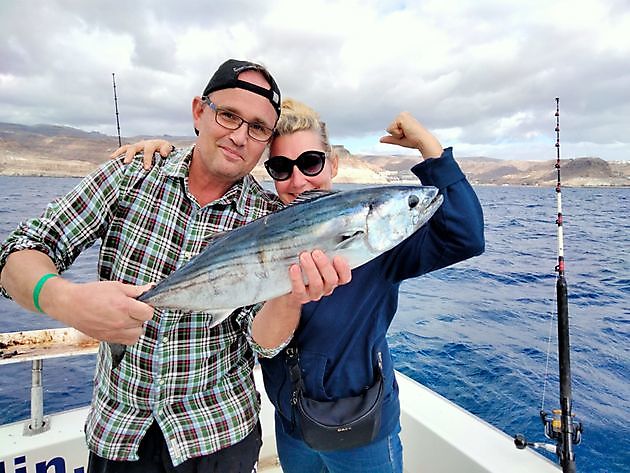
<point>220,316</point>
<point>305,196</point>
<point>313,194</point>
<point>347,239</point>
<point>117,351</point>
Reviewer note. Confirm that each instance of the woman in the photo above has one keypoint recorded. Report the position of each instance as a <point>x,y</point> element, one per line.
<point>341,339</point>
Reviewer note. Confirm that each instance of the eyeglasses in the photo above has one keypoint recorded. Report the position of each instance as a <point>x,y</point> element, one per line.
<point>310,163</point>
<point>232,121</point>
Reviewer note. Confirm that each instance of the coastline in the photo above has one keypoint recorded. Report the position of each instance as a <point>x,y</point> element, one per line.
<point>359,170</point>
<point>261,176</point>
<point>55,151</point>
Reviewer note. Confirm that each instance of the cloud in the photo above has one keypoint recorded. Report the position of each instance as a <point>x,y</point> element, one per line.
<point>483,75</point>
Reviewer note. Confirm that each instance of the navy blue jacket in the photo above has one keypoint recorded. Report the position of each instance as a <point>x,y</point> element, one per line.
<point>340,335</point>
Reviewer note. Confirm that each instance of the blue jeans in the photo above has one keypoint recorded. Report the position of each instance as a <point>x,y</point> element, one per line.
<point>383,456</point>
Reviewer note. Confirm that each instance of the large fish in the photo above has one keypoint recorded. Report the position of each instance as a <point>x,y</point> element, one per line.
<point>250,264</point>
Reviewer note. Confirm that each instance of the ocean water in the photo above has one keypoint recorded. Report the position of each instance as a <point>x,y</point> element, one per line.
<point>478,332</point>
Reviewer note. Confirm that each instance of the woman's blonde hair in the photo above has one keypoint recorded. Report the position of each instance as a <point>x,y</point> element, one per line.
<point>296,116</point>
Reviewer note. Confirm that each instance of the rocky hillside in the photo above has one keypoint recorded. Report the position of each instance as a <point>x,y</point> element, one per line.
<point>577,172</point>
<point>48,150</point>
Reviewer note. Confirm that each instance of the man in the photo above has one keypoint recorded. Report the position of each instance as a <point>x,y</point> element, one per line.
<point>183,398</point>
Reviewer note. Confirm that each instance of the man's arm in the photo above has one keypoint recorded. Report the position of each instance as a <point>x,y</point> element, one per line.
<point>22,272</point>
<point>104,310</point>
<point>50,243</point>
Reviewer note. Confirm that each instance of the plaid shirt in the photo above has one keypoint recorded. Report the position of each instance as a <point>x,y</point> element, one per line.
<point>196,382</point>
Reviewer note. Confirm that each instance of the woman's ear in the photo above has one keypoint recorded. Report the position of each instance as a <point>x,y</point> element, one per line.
<point>334,164</point>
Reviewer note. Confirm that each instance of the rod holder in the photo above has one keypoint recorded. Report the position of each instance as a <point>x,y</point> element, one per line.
<point>37,423</point>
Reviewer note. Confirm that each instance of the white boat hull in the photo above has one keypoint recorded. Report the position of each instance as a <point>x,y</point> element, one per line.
<point>437,436</point>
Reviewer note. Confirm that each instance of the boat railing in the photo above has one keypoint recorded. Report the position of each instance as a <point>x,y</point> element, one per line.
<point>35,346</point>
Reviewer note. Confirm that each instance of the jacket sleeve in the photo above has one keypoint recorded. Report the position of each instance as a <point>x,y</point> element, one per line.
<point>245,320</point>
<point>454,233</point>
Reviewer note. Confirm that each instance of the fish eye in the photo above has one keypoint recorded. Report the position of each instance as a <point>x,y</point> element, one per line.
<point>413,201</point>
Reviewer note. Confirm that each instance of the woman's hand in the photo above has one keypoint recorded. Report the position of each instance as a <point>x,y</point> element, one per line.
<point>147,148</point>
<point>406,131</point>
<point>316,276</point>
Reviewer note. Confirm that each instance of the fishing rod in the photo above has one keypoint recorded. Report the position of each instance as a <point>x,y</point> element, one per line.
<point>116,106</point>
<point>560,425</point>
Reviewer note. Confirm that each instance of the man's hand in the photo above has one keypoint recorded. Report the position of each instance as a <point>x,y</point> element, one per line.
<point>147,147</point>
<point>106,310</point>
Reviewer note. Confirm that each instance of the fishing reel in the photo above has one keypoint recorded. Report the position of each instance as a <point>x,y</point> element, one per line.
<point>552,421</point>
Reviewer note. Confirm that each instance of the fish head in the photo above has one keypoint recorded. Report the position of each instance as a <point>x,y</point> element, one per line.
<point>397,212</point>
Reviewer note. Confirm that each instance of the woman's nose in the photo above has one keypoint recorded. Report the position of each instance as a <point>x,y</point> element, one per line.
<point>298,179</point>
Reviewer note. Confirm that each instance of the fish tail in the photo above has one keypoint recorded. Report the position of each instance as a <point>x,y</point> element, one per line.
<point>117,351</point>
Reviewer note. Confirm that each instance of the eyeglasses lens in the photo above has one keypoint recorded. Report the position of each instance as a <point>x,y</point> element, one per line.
<point>232,121</point>
<point>310,163</point>
<point>279,168</point>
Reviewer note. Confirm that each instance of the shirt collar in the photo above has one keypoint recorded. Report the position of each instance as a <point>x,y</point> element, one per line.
<point>178,162</point>
<point>237,196</point>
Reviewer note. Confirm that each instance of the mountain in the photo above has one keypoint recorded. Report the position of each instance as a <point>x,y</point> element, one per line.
<point>51,150</point>
<point>582,171</point>
<point>576,172</point>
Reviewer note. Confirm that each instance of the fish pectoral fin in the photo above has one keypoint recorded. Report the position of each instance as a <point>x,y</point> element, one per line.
<point>312,194</point>
<point>347,239</point>
<point>219,316</point>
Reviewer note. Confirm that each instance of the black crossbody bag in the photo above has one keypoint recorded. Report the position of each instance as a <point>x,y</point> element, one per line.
<point>345,423</point>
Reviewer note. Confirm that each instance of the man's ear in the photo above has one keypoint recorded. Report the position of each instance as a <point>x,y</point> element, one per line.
<point>197,111</point>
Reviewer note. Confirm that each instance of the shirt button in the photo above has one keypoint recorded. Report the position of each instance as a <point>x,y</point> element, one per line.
<point>161,381</point>
<point>164,339</point>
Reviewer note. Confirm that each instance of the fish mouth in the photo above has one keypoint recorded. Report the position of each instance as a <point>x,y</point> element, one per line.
<point>435,203</point>
<point>429,210</point>
<point>406,218</point>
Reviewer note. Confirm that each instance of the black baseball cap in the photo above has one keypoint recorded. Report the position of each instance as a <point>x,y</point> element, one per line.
<point>226,77</point>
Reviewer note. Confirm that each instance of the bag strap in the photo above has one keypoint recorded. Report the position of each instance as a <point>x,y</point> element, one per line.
<point>292,359</point>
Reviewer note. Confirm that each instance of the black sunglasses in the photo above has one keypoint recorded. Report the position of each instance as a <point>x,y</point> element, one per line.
<point>310,163</point>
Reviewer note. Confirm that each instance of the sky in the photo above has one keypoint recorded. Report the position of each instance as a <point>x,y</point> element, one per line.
<point>482,75</point>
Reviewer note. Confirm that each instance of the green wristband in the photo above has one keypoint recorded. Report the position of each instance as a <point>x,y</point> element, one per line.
<point>38,288</point>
